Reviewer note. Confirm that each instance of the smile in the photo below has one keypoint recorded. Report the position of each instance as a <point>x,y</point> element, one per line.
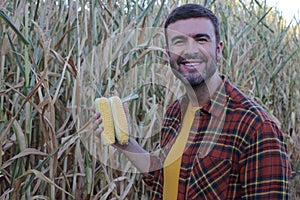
<point>191,64</point>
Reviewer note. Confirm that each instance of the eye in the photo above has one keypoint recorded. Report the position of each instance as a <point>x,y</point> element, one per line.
<point>178,42</point>
<point>202,40</point>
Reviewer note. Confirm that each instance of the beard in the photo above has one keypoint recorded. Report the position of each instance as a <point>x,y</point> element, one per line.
<point>194,77</point>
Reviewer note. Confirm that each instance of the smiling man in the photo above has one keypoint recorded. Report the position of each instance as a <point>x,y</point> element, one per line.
<point>216,143</point>
<point>194,51</point>
<point>191,43</point>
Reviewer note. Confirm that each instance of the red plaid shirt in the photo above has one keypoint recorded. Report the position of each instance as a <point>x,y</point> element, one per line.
<point>234,151</point>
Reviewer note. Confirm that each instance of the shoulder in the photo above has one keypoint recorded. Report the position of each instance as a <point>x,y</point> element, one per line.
<point>252,121</point>
<point>246,106</point>
<point>173,108</point>
<point>255,125</point>
<point>176,108</point>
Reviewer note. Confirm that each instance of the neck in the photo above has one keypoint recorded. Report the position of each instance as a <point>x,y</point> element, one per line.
<point>201,94</point>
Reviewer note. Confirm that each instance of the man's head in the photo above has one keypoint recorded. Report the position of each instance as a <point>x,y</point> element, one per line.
<point>193,11</point>
<point>193,44</point>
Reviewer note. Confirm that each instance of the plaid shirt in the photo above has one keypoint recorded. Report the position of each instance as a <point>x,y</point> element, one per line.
<point>234,151</point>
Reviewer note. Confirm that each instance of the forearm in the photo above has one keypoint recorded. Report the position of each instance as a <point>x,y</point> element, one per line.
<point>138,156</point>
<point>265,168</point>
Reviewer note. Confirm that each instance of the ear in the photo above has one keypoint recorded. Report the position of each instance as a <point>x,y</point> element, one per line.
<point>167,51</point>
<point>219,50</point>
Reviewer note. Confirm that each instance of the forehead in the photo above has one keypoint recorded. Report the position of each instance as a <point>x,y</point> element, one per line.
<point>191,27</point>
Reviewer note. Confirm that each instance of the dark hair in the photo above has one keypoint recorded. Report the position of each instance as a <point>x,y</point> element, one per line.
<point>188,11</point>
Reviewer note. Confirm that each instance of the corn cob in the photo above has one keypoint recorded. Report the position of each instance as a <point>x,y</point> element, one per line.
<point>120,121</point>
<point>102,105</point>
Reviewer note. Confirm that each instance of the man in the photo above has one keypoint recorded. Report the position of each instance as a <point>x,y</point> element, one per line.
<point>215,142</point>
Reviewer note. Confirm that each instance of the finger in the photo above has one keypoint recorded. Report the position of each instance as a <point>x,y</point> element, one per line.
<point>97,123</point>
<point>96,115</point>
<point>98,131</point>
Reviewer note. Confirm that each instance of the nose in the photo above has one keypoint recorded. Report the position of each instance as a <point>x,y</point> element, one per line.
<point>192,47</point>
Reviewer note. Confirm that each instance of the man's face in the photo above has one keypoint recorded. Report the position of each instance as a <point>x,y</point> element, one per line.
<point>193,51</point>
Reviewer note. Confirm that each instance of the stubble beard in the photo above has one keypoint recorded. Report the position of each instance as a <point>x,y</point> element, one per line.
<point>197,78</point>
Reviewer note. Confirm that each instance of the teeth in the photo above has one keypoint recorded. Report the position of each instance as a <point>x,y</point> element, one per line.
<point>191,64</point>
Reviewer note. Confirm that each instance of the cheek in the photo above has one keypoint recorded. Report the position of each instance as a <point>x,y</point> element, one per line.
<point>176,50</point>
<point>173,56</point>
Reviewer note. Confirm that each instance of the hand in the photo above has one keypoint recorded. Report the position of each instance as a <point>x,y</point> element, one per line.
<point>134,152</point>
<point>97,120</point>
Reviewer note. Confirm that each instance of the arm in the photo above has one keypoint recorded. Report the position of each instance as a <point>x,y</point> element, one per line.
<point>139,157</point>
<point>265,168</point>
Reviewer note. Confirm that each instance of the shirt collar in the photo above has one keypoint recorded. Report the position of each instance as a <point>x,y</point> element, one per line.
<point>219,100</point>
<point>216,104</point>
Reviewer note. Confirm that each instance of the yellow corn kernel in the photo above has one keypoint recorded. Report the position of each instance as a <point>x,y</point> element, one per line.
<point>102,105</point>
<point>120,120</point>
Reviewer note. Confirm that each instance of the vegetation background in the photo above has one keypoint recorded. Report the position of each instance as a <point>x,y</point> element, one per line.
<point>57,56</point>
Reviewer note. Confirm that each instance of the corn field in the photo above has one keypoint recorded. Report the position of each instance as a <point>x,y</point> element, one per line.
<point>57,56</point>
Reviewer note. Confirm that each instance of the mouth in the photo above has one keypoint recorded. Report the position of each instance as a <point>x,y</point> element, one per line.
<point>191,64</point>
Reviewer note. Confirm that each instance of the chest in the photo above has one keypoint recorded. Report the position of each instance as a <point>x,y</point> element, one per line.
<point>210,159</point>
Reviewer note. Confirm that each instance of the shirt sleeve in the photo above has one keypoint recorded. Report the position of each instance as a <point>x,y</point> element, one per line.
<point>265,167</point>
<point>155,166</point>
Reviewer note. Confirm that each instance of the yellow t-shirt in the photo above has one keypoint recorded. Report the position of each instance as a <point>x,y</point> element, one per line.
<point>173,159</point>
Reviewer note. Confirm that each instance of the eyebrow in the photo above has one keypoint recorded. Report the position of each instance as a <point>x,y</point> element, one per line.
<point>198,35</point>
<point>178,37</point>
